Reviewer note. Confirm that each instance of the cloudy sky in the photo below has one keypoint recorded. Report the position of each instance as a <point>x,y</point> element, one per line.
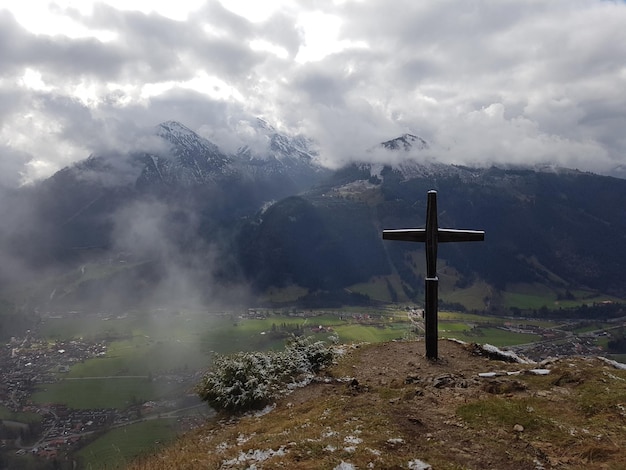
<point>483,81</point>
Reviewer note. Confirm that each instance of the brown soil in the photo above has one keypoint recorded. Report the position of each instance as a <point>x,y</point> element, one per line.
<point>430,393</point>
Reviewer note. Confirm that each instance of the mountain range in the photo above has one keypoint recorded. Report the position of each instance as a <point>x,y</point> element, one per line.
<point>269,223</point>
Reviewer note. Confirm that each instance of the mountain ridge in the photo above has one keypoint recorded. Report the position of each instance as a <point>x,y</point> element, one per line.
<point>279,219</point>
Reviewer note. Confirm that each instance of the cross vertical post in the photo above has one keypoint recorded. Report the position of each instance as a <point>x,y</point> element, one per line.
<point>431,236</point>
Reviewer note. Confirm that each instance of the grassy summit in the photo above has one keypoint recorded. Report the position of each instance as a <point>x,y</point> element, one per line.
<point>386,406</point>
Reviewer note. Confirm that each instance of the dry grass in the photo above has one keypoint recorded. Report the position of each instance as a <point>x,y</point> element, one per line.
<point>401,407</point>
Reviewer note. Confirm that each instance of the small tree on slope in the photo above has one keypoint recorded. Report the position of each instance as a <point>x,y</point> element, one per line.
<point>251,380</point>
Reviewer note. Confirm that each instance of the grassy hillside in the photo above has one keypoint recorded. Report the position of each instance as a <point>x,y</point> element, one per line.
<point>386,406</point>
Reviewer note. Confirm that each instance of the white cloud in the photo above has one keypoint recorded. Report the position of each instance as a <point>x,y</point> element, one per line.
<point>258,11</point>
<point>484,82</point>
<point>321,37</point>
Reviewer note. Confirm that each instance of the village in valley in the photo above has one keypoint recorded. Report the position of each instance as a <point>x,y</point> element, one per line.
<point>52,430</point>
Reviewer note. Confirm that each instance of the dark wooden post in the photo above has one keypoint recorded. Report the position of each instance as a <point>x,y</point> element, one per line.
<point>431,236</point>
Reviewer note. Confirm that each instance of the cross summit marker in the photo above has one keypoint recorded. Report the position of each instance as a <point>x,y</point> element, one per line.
<point>432,235</point>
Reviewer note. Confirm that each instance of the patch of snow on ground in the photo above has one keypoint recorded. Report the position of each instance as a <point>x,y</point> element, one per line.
<point>344,379</point>
<point>458,341</point>
<point>614,377</point>
<point>255,455</point>
<point>510,354</point>
<point>242,439</point>
<point>345,466</point>
<point>352,440</point>
<point>418,464</point>
<point>395,440</point>
<point>266,410</point>
<point>617,365</point>
<point>221,447</point>
<point>487,374</point>
<point>302,383</point>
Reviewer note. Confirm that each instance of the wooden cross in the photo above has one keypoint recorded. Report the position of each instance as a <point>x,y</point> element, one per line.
<point>432,235</point>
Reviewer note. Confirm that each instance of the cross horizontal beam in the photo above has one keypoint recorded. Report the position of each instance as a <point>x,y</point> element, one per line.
<point>444,235</point>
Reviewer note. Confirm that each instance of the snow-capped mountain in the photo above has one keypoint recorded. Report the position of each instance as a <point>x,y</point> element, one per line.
<point>190,159</point>
<point>281,146</point>
<point>406,142</point>
<point>407,156</point>
<point>280,154</point>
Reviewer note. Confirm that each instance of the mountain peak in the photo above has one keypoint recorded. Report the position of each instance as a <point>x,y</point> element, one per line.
<point>405,142</point>
<point>263,124</point>
<point>278,150</point>
<point>169,127</point>
<point>184,138</point>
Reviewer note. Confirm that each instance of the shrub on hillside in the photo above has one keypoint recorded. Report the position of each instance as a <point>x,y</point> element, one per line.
<point>308,356</point>
<point>251,380</point>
